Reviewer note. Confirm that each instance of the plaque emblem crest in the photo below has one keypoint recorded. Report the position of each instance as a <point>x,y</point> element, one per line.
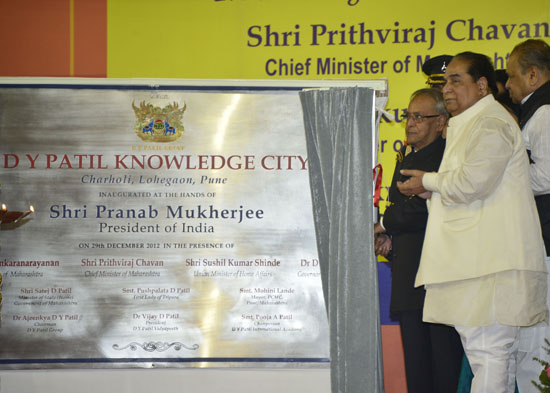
<point>156,124</point>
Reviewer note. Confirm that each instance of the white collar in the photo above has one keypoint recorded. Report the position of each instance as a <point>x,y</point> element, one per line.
<point>526,98</point>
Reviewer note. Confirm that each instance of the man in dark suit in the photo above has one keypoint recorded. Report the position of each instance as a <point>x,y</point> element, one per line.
<point>433,352</point>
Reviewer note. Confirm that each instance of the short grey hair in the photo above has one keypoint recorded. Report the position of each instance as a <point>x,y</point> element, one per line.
<point>533,53</point>
<point>437,96</point>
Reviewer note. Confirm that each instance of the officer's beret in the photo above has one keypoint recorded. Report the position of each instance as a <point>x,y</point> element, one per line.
<point>435,68</point>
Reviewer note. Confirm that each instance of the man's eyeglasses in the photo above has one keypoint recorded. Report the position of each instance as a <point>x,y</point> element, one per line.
<point>417,117</point>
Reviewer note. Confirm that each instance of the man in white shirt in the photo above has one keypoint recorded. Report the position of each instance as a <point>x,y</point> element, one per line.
<point>482,260</point>
<point>528,82</point>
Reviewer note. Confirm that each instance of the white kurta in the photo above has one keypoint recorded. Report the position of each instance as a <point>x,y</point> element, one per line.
<point>537,140</point>
<point>536,135</point>
<point>483,255</point>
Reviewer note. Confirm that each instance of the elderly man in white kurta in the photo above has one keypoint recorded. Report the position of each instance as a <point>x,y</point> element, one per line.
<point>528,82</point>
<point>483,257</point>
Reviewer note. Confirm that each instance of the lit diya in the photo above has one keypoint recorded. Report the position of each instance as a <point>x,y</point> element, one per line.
<point>9,217</point>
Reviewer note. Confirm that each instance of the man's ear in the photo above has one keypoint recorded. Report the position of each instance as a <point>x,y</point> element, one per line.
<point>441,122</point>
<point>533,75</point>
<point>483,86</point>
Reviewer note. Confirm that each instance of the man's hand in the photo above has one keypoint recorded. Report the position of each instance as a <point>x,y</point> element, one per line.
<point>413,186</point>
<point>382,244</point>
<point>378,229</point>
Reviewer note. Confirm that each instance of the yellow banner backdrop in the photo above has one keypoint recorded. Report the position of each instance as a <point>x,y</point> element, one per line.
<point>336,39</point>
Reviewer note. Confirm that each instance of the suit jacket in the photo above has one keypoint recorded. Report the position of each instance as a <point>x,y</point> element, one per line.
<point>405,220</point>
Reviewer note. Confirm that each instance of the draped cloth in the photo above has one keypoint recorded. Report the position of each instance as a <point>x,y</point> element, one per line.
<point>339,126</point>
